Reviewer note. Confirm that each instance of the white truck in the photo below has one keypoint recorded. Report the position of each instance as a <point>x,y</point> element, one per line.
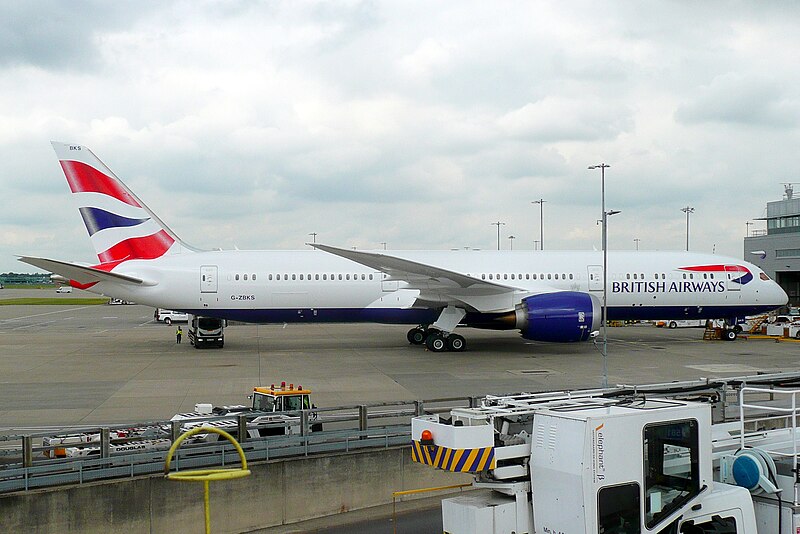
<point>170,316</point>
<point>206,332</point>
<point>586,461</point>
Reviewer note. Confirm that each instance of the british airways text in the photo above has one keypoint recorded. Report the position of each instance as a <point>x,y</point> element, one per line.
<point>665,287</point>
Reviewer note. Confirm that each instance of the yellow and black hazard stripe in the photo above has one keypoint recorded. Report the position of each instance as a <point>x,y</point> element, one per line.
<point>456,460</point>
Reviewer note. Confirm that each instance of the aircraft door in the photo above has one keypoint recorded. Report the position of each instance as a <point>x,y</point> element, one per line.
<point>595,277</point>
<point>388,285</point>
<point>732,273</point>
<point>208,279</point>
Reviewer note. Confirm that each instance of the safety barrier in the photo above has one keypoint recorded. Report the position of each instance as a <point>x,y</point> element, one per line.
<point>352,427</point>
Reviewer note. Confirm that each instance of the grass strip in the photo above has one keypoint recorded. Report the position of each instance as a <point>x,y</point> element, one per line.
<point>52,302</point>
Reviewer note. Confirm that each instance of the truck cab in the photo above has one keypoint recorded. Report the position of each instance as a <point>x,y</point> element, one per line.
<point>282,399</point>
<point>206,332</point>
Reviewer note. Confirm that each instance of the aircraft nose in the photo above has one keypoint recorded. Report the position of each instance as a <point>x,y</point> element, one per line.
<point>781,298</point>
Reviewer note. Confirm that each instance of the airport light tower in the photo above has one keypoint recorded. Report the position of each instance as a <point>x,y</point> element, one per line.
<point>687,210</point>
<point>498,224</point>
<point>604,221</point>
<point>541,221</point>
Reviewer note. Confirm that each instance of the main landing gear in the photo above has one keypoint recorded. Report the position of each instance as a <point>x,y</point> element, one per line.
<point>436,340</point>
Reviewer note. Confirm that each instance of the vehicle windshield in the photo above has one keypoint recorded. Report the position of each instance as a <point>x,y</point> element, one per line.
<point>296,402</point>
<point>263,403</point>
<point>209,323</point>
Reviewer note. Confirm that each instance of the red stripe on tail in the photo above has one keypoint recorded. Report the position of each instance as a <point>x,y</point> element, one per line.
<point>138,248</point>
<point>83,178</point>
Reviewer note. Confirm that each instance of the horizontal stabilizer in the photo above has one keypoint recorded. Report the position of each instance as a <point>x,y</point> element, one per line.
<point>81,273</point>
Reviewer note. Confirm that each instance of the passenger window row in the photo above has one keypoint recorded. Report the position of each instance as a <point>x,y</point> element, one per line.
<point>527,276</point>
<point>308,277</point>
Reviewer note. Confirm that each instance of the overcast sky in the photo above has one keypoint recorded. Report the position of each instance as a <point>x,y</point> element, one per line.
<point>252,124</point>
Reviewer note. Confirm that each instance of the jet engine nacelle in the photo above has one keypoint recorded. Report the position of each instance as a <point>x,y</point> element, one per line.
<point>564,316</point>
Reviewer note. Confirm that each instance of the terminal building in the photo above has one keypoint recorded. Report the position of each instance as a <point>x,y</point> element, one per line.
<point>776,250</point>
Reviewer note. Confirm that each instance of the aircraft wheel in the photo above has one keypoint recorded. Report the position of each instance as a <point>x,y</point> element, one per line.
<point>435,342</point>
<point>416,336</point>
<point>673,324</point>
<point>456,343</point>
<point>729,335</point>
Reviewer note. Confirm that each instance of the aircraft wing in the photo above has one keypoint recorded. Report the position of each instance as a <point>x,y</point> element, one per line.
<point>436,285</point>
<point>80,273</point>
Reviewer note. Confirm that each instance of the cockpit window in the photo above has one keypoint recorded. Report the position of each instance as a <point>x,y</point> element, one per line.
<point>763,276</point>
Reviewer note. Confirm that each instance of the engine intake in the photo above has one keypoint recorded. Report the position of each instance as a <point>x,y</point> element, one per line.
<point>560,317</point>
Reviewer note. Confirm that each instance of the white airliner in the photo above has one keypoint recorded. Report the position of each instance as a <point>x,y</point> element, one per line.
<point>548,296</point>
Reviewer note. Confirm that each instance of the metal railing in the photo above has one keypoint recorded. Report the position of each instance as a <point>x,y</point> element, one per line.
<point>24,464</point>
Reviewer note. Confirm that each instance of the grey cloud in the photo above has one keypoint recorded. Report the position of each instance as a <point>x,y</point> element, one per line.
<point>53,34</point>
<point>736,99</point>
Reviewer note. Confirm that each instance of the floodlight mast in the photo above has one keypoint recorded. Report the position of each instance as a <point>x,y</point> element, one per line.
<point>604,239</point>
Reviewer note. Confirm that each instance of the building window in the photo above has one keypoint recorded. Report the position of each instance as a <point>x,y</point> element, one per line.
<point>787,253</point>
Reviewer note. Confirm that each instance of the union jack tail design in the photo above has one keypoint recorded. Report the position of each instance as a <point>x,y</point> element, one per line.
<point>121,227</point>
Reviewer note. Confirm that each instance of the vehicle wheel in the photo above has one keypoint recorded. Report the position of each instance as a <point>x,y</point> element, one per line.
<point>673,324</point>
<point>416,336</point>
<point>737,329</point>
<point>456,343</point>
<point>435,342</point>
<point>797,335</point>
<point>728,335</point>
<point>168,321</point>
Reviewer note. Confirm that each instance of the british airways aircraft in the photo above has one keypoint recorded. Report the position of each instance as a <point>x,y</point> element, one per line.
<point>547,296</point>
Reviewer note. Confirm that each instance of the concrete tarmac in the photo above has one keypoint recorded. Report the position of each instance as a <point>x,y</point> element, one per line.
<point>63,365</point>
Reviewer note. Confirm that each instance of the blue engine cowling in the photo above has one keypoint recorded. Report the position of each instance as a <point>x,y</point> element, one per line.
<point>563,317</point>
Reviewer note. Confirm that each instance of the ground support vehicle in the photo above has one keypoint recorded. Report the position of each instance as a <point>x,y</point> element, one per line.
<point>170,316</point>
<point>608,461</point>
<point>206,332</point>
<point>281,407</point>
<point>273,412</point>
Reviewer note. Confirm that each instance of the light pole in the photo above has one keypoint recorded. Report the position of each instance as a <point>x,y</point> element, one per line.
<point>313,236</point>
<point>604,349</point>
<point>541,220</point>
<point>636,240</point>
<point>498,224</point>
<point>535,244</point>
<point>511,242</point>
<point>747,225</point>
<point>687,210</point>
<point>384,244</point>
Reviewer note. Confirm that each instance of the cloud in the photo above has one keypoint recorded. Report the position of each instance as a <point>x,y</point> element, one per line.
<point>743,100</point>
<point>253,124</point>
<point>566,119</point>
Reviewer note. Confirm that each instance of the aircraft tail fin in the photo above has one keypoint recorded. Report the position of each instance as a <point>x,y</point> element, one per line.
<point>121,227</point>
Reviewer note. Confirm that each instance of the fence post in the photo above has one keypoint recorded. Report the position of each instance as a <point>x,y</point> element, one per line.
<point>362,418</point>
<point>241,419</point>
<point>27,451</point>
<point>105,445</point>
<point>304,423</point>
<point>175,430</point>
